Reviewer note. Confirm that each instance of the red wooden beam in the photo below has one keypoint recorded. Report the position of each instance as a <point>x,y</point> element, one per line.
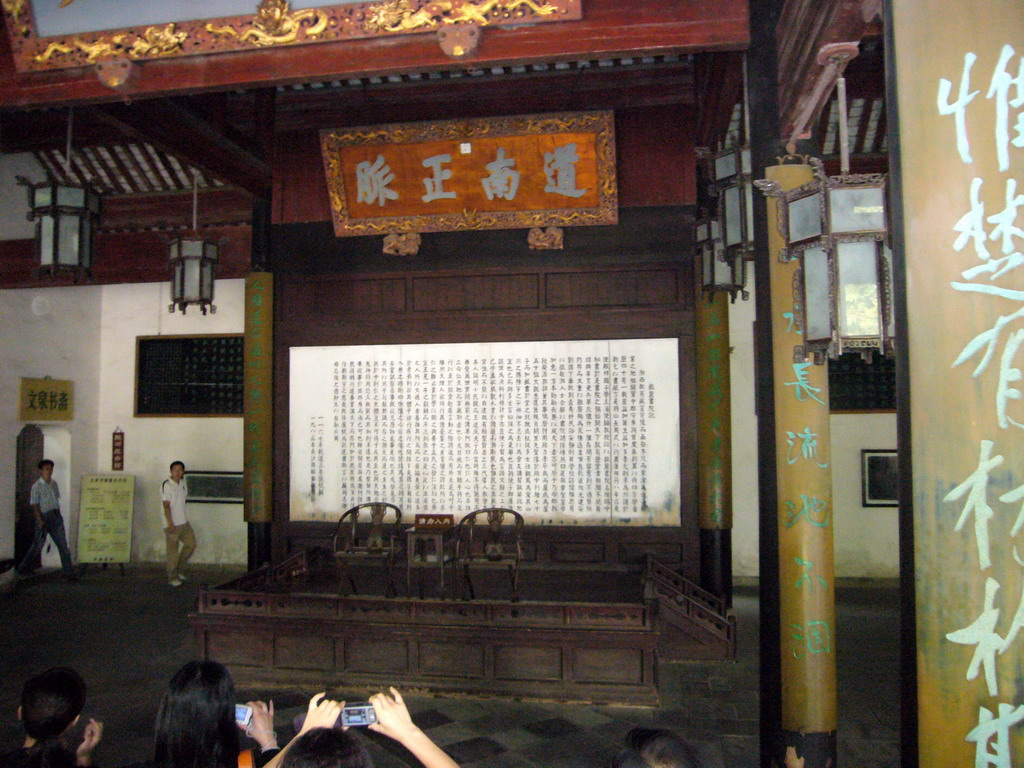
<point>610,28</point>
<point>216,207</point>
<point>136,257</point>
<point>586,89</point>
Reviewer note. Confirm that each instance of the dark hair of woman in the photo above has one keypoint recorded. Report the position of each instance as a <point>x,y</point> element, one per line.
<point>50,702</point>
<point>327,748</point>
<point>656,748</point>
<point>195,725</point>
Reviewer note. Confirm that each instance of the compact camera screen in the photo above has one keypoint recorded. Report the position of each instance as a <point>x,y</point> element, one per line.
<point>355,715</point>
<point>243,714</point>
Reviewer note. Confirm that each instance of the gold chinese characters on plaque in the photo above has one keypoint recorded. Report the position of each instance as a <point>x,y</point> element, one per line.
<point>490,173</point>
<point>46,400</point>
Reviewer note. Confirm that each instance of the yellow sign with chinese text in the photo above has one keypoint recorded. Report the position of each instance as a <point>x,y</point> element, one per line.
<point>46,400</point>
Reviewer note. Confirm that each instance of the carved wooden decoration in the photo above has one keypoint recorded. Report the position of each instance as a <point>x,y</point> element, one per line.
<point>550,239</point>
<point>491,173</point>
<point>407,244</point>
<point>459,40</point>
<point>273,24</point>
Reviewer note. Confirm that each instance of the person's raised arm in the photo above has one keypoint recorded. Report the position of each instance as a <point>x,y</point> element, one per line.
<point>394,720</point>
<point>261,727</point>
<point>92,736</point>
<point>322,713</point>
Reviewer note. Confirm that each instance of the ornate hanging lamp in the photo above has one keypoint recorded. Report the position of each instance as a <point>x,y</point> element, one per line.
<point>837,227</point>
<point>192,263</point>
<point>66,215</point>
<point>718,273</point>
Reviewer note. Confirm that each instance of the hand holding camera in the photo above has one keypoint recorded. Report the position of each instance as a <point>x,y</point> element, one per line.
<point>257,720</point>
<point>322,713</point>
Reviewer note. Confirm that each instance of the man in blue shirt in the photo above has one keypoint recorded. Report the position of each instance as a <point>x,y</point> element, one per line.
<point>45,502</point>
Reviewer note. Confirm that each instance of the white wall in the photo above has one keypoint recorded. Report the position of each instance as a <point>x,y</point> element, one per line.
<point>87,334</point>
<point>152,443</point>
<point>49,332</point>
<point>866,538</point>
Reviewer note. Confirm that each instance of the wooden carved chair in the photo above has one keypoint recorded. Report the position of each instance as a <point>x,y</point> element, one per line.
<point>371,542</point>
<point>495,543</point>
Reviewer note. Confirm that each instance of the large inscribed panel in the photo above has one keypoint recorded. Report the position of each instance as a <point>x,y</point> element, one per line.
<point>566,432</point>
<point>960,79</point>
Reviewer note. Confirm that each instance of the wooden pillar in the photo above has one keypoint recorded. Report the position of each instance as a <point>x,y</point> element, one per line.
<point>714,443</point>
<point>257,425</point>
<point>806,558</point>
<point>959,214</point>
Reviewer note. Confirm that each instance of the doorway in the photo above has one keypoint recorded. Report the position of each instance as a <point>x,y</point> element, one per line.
<point>29,454</point>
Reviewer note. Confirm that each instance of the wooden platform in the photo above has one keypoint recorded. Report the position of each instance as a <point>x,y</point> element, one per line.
<point>289,624</point>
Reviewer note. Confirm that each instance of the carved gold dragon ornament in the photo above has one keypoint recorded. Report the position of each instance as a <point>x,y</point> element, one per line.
<point>274,24</point>
<point>400,16</point>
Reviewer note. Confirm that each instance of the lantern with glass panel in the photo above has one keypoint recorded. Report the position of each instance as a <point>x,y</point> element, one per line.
<point>66,216</point>
<point>717,273</point>
<point>192,262</point>
<point>730,177</point>
<point>836,226</point>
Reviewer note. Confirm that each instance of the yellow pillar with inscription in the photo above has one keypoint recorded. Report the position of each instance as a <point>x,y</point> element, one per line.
<point>806,550</point>
<point>259,369</point>
<point>714,442</point>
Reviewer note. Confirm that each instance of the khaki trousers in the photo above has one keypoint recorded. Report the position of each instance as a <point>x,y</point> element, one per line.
<point>186,537</point>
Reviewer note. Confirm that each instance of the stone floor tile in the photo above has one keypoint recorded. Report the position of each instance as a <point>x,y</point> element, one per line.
<point>742,751</point>
<point>507,760</point>
<point>514,738</point>
<point>443,735</point>
<point>474,749</point>
<point>587,717</point>
<point>431,718</point>
<point>461,709</point>
<point>638,715</point>
<point>552,728</point>
<point>571,752</point>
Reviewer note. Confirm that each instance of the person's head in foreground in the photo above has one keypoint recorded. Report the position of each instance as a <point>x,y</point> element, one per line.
<point>321,745</point>
<point>195,725</point>
<point>656,748</point>
<point>327,748</point>
<point>51,703</point>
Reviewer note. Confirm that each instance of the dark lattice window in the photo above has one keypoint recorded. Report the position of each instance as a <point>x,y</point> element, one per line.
<point>854,385</point>
<point>189,376</point>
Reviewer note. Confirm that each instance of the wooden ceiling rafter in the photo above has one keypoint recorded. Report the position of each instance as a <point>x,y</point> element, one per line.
<point>719,88</point>
<point>176,130</point>
<point>806,79</point>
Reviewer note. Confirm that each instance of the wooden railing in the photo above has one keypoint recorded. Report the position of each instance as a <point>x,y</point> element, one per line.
<point>683,598</point>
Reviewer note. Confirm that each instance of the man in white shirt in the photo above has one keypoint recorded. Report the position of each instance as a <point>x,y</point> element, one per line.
<point>45,501</point>
<point>178,532</point>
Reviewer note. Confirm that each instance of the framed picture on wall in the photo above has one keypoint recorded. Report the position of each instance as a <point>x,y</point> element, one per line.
<point>879,478</point>
<point>215,487</point>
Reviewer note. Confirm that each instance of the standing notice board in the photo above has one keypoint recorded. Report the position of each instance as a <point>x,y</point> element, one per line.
<point>105,519</point>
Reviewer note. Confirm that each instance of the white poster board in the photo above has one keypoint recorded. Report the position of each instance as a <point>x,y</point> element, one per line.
<point>564,432</point>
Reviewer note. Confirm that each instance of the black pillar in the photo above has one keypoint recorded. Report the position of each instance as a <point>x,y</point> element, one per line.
<point>762,84</point>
